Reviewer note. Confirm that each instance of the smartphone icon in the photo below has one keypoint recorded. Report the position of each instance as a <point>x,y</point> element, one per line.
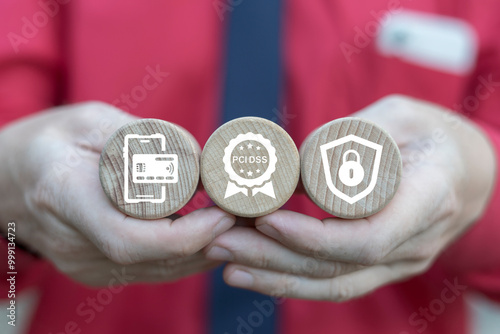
<point>146,174</point>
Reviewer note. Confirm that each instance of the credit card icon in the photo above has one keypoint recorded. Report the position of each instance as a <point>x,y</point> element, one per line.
<point>155,168</point>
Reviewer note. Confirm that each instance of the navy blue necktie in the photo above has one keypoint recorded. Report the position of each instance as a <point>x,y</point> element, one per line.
<point>252,88</point>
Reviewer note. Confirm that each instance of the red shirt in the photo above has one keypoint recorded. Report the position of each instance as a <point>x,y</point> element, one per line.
<point>103,50</point>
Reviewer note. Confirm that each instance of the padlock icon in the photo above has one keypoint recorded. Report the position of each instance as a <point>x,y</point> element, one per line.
<point>351,173</point>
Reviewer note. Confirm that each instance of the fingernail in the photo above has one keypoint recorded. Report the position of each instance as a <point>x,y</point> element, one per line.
<point>219,253</point>
<point>240,278</point>
<point>269,230</point>
<point>224,224</point>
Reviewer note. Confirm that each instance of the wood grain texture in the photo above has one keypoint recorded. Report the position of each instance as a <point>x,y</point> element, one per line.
<point>112,168</point>
<point>216,179</point>
<point>314,177</point>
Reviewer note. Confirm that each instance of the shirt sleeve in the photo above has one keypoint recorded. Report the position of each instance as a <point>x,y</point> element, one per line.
<point>30,58</point>
<point>30,74</point>
<point>476,256</point>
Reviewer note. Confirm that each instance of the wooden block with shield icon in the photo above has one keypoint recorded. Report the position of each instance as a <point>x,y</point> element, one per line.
<point>350,167</point>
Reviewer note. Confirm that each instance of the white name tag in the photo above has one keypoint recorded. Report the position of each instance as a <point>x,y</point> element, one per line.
<point>434,41</point>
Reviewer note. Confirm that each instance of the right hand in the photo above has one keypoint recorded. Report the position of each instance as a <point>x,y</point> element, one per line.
<point>49,185</point>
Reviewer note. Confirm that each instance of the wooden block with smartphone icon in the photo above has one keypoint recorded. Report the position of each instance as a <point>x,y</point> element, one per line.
<point>150,168</point>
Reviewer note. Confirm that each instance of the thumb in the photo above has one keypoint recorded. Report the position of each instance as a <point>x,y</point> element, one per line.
<point>404,118</point>
<point>95,122</point>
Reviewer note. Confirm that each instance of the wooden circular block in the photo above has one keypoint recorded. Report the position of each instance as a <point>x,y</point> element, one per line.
<point>351,168</point>
<point>250,167</point>
<point>150,168</point>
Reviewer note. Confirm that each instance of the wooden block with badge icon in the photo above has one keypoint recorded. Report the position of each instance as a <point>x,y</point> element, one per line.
<point>250,167</point>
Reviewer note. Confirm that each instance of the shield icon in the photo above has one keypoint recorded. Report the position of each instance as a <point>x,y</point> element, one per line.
<point>328,175</point>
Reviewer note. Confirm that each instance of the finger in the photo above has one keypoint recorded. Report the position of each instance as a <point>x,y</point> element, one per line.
<point>363,241</point>
<point>172,269</point>
<point>94,122</point>
<point>247,246</point>
<point>311,236</point>
<point>336,289</point>
<point>425,246</point>
<point>170,274</point>
<point>163,238</point>
<point>103,271</point>
<point>127,240</point>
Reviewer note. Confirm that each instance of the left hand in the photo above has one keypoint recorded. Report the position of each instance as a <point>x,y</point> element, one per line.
<point>443,191</point>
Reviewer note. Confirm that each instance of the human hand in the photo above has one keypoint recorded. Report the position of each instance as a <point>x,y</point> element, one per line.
<point>448,173</point>
<point>50,186</point>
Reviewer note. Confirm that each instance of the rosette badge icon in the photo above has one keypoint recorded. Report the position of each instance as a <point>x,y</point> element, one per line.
<point>243,169</point>
<point>249,160</point>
